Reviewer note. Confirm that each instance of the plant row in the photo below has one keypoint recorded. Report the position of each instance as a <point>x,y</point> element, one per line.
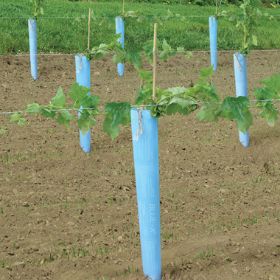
<point>202,97</point>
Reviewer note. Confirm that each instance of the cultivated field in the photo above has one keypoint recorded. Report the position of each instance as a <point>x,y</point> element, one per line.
<point>67,215</point>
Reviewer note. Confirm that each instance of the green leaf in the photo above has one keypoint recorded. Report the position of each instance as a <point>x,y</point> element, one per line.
<point>265,97</point>
<point>18,119</point>
<point>189,54</point>
<point>181,106</point>
<point>135,59</point>
<point>116,114</point>
<point>148,51</point>
<point>209,112</point>
<point>90,102</point>
<point>177,90</point>
<point>206,73</point>
<point>174,108</point>
<point>15,117</point>
<point>64,117</point>
<point>47,112</point>
<point>237,109</point>
<point>37,7</point>
<point>254,40</point>
<point>269,113</point>
<point>166,46</point>
<point>204,92</point>
<point>264,93</point>
<point>175,100</point>
<point>85,121</point>
<point>77,93</point>
<point>183,102</point>
<point>86,105</point>
<point>180,50</point>
<point>144,96</point>
<point>166,51</point>
<point>59,100</point>
<point>104,49</point>
<point>33,108</point>
<point>146,76</point>
<point>120,56</point>
<point>273,84</point>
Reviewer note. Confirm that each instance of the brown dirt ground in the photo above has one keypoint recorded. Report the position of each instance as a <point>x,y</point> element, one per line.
<point>66,215</point>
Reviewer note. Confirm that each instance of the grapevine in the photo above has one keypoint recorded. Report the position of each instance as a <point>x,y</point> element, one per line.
<point>37,8</point>
<point>246,21</point>
<point>265,95</point>
<point>64,108</point>
<point>201,98</point>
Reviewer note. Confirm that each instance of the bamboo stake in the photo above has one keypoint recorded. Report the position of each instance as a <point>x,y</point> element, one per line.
<point>216,7</point>
<point>89,19</point>
<point>123,7</point>
<point>155,62</point>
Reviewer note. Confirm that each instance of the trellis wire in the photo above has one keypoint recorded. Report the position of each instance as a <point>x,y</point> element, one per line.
<point>132,106</point>
<point>186,52</point>
<point>195,76</point>
<point>108,17</point>
<point>84,16</point>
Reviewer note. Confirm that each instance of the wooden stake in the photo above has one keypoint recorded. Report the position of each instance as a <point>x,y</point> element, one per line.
<point>89,19</point>
<point>155,62</point>
<point>216,7</point>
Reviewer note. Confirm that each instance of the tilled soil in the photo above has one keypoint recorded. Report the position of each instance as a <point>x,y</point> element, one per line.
<point>66,215</point>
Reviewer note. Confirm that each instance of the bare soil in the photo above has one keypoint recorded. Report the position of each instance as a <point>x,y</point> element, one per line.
<point>66,215</point>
